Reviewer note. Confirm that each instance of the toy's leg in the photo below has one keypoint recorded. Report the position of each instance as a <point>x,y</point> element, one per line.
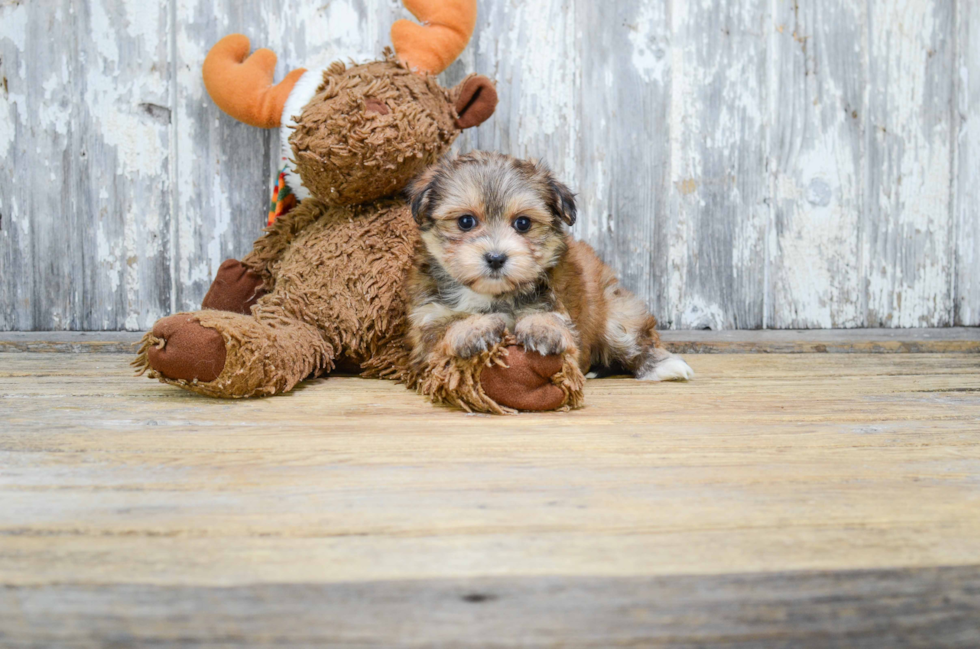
<point>222,354</point>
<point>530,381</point>
<point>505,379</point>
<point>235,288</point>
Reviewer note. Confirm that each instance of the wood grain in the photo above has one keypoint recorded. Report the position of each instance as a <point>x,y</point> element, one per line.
<point>764,463</point>
<point>966,118</point>
<point>538,114</point>
<point>818,155</point>
<point>908,225</point>
<point>792,500</point>
<point>933,607</point>
<point>122,131</point>
<point>36,111</point>
<point>741,164</point>
<point>623,176</point>
<point>223,169</point>
<point>718,150</point>
<point>949,340</point>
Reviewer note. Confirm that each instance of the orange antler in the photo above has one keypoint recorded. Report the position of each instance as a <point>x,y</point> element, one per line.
<point>241,85</point>
<point>445,30</point>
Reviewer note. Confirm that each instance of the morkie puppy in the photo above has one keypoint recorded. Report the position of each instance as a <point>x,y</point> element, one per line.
<point>496,258</point>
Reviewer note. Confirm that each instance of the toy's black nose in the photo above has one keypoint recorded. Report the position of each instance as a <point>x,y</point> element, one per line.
<point>495,260</point>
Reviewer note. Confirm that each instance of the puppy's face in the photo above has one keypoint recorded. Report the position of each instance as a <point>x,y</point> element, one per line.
<point>494,223</point>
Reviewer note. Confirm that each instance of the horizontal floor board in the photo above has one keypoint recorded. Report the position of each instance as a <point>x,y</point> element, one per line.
<point>772,341</point>
<point>132,512</point>
<point>934,607</point>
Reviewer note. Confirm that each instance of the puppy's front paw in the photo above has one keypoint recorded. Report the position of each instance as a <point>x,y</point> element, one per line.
<point>476,334</point>
<point>544,333</point>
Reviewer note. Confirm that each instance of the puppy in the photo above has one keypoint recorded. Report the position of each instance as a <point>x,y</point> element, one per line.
<point>496,258</point>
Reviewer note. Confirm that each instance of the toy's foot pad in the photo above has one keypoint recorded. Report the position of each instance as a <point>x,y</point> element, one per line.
<point>186,350</point>
<point>235,288</point>
<point>526,383</point>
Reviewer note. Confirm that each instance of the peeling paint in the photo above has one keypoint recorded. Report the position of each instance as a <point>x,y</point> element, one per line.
<point>7,128</point>
<point>13,24</point>
<point>910,190</point>
<point>649,53</point>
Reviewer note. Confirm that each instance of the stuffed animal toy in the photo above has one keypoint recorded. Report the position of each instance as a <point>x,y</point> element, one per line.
<point>326,285</point>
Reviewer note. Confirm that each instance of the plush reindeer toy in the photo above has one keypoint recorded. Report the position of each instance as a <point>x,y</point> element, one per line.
<point>326,283</point>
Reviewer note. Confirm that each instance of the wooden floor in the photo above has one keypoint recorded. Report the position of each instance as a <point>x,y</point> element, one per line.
<point>779,500</point>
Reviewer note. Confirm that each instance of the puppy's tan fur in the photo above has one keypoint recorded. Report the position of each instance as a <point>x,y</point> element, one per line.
<point>552,292</point>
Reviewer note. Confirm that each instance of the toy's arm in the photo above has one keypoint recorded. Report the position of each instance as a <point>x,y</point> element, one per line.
<point>269,248</point>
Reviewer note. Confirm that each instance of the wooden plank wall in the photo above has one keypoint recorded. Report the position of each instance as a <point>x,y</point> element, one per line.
<point>741,163</point>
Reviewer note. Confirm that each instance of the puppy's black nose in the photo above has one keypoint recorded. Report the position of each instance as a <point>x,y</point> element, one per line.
<point>495,260</point>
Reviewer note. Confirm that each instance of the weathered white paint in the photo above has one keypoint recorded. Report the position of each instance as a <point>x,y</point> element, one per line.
<point>718,154</point>
<point>817,161</point>
<point>740,163</point>
<point>966,288</point>
<point>623,113</point>
<point>533,46</point>
<point>122,130</point>
<point>908,220</point>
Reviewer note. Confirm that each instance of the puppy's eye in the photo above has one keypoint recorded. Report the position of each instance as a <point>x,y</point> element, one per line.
<point>522,224</point>
<point>466,222</point>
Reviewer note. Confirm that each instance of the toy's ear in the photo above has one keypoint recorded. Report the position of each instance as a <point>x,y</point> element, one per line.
<point>476,101</point>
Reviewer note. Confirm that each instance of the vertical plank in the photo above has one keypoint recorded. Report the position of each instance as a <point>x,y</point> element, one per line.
<point>121,184</point>
<point>908,222</point>
<point>221,167</point>
<point>719,194</point>
<point>86,245</point>
<point>529,48</point>
<point>37,107</point>
<point>819,81</point>
<point>967,180</point>
<point>623,140</point>
<point>19,99</point>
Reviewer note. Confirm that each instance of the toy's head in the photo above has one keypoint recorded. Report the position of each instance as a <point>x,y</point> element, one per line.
<point>354,134</point>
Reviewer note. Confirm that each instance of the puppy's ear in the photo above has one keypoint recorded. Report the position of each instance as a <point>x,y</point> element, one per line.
<point>564,203</point>
<point>561,200</point>
<point>420,194</point>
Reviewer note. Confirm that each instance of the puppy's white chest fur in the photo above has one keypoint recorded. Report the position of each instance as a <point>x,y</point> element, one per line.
<point>466,300</point>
